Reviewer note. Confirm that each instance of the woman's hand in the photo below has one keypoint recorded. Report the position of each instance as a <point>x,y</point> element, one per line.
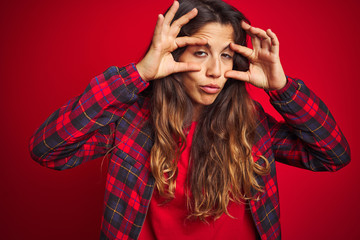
<point>265,70</point>
<point>158,61</point>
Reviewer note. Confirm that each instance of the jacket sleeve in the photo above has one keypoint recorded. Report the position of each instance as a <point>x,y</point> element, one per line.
<point>310,137</point>
<point>83,129</point>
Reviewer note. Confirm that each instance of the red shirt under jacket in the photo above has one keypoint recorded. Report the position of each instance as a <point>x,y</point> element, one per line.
<point>168,221</point>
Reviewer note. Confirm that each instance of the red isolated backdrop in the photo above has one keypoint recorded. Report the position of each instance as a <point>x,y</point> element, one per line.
<point>51,49</point>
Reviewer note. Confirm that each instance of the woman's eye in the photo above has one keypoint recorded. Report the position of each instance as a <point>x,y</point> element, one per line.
<point>200,53</point>
<point>228,56</point>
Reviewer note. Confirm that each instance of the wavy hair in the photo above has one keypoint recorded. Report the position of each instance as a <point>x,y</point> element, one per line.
<point>222,168</point>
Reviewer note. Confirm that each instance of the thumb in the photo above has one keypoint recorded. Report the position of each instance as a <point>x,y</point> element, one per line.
<point>238,75</point>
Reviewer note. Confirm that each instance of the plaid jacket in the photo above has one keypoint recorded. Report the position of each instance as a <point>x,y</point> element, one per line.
<point>110,114</point>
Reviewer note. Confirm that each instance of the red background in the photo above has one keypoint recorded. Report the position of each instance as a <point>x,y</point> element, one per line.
<point>51,49</point>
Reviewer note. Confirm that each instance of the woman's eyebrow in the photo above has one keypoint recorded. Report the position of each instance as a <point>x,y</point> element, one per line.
<point>227,47</point>
<point>208,46</point>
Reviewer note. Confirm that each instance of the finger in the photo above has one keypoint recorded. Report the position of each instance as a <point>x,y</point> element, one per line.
<point>264,39</point>
<point>258,36</point>
<point>171,13</point>
<point>245,51</point>
<point>185,41</point>
<point>253,31</point>
<point>159,24</point>
<point>186,67</point>
<point>177,24</point>
<point>238,75</point>
<point>255,41</point>
<point>245,26</point>
<point>274,42</point>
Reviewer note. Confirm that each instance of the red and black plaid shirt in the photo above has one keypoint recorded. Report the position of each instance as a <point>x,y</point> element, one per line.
<point>111,114</point>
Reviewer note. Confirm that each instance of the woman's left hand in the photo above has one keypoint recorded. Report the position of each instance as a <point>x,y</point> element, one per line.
<point>265,70</point>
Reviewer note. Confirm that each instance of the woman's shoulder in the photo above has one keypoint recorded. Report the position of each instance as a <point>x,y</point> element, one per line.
<point>259,110</point>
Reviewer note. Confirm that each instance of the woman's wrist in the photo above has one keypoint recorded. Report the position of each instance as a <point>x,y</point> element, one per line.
<point>140,70</point>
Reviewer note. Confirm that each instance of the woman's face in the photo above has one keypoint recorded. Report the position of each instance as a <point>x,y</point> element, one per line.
<point>215,59</point>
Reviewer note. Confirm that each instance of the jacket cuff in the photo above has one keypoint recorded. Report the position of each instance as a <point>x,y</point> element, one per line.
<point>130,73</point>
<point>286,93</point>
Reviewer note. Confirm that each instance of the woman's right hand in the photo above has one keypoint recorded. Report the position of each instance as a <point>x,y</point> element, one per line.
<point>158,61</point>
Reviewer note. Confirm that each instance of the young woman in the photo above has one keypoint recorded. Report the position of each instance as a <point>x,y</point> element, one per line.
<point>191,155</point>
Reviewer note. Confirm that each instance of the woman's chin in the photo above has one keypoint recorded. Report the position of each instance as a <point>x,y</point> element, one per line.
<point>203,102</point>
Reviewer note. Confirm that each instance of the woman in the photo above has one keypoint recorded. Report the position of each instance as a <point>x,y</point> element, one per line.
<point>180,130</point>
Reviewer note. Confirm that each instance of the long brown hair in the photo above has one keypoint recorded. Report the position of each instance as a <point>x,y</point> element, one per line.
<point>221,163</point>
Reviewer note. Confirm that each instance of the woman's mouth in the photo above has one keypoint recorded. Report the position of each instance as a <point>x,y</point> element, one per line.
<point>210,88</point>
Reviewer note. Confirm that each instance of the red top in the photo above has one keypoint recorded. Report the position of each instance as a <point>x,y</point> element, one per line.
<point>168,221</point>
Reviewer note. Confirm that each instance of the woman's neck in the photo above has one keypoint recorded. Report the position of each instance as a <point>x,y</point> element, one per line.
<point>197,109</point>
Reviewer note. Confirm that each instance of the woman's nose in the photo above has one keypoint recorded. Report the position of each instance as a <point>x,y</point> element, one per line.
<point>213,68</point>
